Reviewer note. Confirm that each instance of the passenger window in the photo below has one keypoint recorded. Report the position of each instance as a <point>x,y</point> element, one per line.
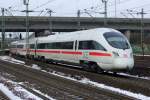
<point>19,46</point>
<point>57,45</point>
<point>13,46</point>
<point>90,45</point>
<point>32,46</point>
<point>83,45</point>
<point>41,46</point>
<point>60,45</point>
<point>49,46</point>
<point>67,45</point>
<point>76,45</point>
<point>98,46</point>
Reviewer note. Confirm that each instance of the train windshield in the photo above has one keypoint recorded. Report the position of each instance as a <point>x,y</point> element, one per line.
<point>116,40</point>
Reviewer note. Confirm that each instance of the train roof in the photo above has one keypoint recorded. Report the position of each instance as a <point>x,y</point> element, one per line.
<point>70,36</point>
<point>77,35</point>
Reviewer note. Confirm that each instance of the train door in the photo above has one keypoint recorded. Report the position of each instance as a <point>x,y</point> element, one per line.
<point>68,51</point>
<point>15,50</point>
<point>84,48</point>
<point>78,53</point>
<point>35,48</point>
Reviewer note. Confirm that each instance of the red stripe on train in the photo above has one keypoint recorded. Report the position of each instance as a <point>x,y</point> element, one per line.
<point>63,52</point>
<point>47,51</point>
<point>99,54</point>
<point>72,52</point>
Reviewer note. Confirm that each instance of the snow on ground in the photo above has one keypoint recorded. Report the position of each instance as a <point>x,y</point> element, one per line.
<point>89,82</point>
<point>141,55</point>
<point>12,60</point>
<point>118,90</point>
<point>134,76</point>
<point>14,91</point>
<point>37,91</point>
<point>8,93</point>
<point>99,85</point>
<point>34,66</point>
<point>11,92</point>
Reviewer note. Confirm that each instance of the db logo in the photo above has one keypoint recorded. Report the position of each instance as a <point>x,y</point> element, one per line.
<point>125,55</point>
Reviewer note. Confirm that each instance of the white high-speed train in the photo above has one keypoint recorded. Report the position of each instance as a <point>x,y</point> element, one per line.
<point>101,48</point>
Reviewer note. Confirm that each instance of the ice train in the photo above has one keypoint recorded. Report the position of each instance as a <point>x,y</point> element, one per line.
<point>101,48</point>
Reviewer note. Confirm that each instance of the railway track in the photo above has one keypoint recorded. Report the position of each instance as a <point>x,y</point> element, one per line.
<point>142,66</point>
<point>136,85</point>
<point>3,97</point>
<point>57,87</point>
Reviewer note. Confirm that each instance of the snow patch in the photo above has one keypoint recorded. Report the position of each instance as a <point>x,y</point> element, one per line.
<point>117,90</point>
<point>12,60</point>
<point>99,85</point>
<point>45,95</point>
<point>8,93</point>
<point>34,66</point>
<point>134,76</point>
<point>141,55</point>
<point>15,91</point>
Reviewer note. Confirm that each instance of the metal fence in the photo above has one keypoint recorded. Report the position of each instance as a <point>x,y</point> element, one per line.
<point>136,44</point>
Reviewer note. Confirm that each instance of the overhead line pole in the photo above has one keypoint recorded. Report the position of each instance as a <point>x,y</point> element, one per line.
<point>50,20</point>
<point>115,8</point>
<point>3,29</point>
<point>105,8</point>
<point>142,30</point>
<point>27,27</point>
<point>105,12</point>
<point>142,27</point>
<point>78,16</point>
<point>26,2</point>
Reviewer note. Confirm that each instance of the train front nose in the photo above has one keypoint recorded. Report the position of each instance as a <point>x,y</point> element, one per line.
<point>124,62</point>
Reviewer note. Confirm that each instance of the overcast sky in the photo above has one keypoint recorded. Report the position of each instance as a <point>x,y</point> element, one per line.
<point>70,7</point>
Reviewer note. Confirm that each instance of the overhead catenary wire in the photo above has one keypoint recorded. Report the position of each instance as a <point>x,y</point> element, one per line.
<point>16,6</point>
<point>112,4</point>
<point>9,12</point>
<point>49,1</point>
<point>90,10</point>
<point>98,7</point>
<point>140,6</point>
<point>31,11</point>
<point>132,8</point>
<point>44,4</point>
<point>40,13</point>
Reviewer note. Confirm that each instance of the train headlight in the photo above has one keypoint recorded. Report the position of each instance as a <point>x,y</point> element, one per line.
<point>115,54</point>
<point>131,55</point>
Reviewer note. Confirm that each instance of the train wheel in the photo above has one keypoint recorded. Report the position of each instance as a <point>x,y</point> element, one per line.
<point>38,58</point>
<point>85,66</point>
<point>50,61</point>
<point>43,59</point>
<point>32,57</point>
<point>96,68</point>
<point>115,73</point>
<point>93,67</point>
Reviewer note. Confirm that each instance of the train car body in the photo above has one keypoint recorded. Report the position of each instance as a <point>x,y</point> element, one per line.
<point>105,48</point>
<point>18,48</point>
